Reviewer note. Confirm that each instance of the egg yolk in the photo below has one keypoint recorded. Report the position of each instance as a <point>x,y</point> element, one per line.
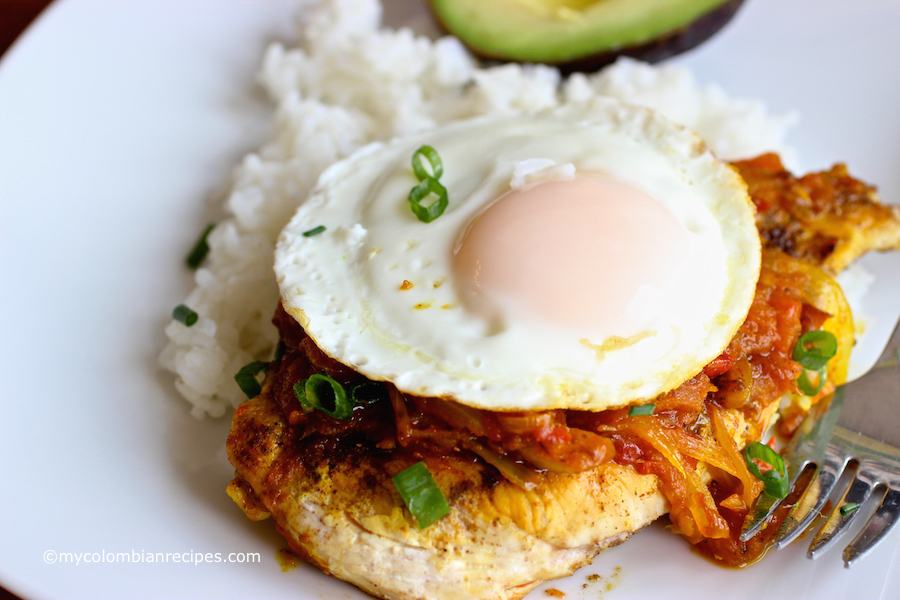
<point>590,252</point>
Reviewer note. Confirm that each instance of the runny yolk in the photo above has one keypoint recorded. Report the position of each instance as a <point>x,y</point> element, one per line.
<point>590,252</point>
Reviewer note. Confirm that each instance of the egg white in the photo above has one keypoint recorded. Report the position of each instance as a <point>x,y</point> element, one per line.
<point>375,291</point>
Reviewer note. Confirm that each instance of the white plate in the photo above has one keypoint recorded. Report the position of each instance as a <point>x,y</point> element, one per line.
<point>118,121</point>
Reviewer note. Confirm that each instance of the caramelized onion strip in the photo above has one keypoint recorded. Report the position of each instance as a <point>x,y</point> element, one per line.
<point>700,449</point>
<point>581,451</point>
<point>401,416</point>
<point>706,517</point>
<point>529,422</point>
<point>515,472</point>
<point>458,415</point>
<point>752,486</point>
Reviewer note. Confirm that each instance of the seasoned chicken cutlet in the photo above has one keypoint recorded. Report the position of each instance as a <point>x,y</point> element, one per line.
<point>827,218</point>
<point>335,503</point>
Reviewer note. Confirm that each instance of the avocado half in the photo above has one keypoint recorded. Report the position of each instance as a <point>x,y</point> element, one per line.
<point>582,35</point>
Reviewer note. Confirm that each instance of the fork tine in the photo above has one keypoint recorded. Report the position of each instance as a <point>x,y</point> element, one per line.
<point>877,527</point>
<point>763,508</point>
<point>765,505</point>
<point>813,499</point>
<point>837,523</point>
<point>804,451</point>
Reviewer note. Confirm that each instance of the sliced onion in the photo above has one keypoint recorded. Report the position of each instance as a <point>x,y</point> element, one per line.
<point>700,504</point>
<point>516,473</point>
<point>752,486</point>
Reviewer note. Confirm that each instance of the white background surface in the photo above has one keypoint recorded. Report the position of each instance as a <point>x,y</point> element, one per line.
<point>119,121</point>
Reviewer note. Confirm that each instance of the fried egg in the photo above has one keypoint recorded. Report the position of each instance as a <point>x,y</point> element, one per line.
<point>590,257</point>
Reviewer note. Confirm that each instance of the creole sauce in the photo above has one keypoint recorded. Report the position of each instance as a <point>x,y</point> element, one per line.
<point>754,371</point>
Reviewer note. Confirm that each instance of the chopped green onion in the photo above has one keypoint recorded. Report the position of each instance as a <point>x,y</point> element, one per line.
<point>201,248</point>
<point>314,231</point>
<point>248,378</point>
<point>368,392</point>
<point>323,393</point>
<point>300,393</point>
<point>184,315</point>
<point>806,386</point>
<point>775,479</point>
<point>644,409</point>
<point>434,160</point>
<point>815,348</point>
<point>421,494</point>
<point>428,213</point>
<point>849,508</point>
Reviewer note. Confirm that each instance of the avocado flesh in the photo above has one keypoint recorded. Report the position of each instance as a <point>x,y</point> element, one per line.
<point>562,31</point>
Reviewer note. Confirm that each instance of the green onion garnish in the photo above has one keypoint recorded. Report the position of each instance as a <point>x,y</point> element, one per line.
<point>643,409</point>
<point>428,185</point>
<point>421,494</point>
<point>368,392</point>
<point>432,211</point>
<point>775,479</point>
<point>300,393</point>
<point>814,349</point>
<point>806,386</point>
<point>314,231</point>
<point>434,160</point>
<point>849,508</point>
<point>201,248</point>
<point>248,378</point>
<point>323,393</point>
<point>184,315</point>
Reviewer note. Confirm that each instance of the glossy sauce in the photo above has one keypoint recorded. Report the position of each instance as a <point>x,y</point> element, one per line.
<point>735,554</point>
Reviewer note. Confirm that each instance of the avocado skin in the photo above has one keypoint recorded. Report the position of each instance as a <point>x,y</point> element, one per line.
<point>661,48</point>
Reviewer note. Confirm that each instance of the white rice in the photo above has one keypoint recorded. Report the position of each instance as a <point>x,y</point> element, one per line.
<point>347,83</point>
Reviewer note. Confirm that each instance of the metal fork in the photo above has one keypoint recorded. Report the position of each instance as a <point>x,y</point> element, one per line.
<point>861,425</point>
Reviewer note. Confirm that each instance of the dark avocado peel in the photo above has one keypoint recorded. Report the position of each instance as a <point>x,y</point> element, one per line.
<point>582,35</point>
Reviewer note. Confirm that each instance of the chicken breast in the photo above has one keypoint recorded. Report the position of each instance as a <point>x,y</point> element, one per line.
<point>827,218</point>
<point>336,505</point>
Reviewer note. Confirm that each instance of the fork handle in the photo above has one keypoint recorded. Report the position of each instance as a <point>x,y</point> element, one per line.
<point>871,402</point>
<point>891,354</point>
